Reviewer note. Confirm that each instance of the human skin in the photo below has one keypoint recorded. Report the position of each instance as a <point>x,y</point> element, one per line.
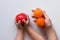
<point>48,29</point>
<point>33,34</point>
<point>20,33</point>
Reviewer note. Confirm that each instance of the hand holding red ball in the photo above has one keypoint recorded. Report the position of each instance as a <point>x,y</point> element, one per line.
<point>20,17</point>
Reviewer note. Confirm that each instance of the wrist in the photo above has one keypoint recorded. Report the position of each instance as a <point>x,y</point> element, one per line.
<point>27,27</point>
<point>47,29</point>
<point>20,29</point>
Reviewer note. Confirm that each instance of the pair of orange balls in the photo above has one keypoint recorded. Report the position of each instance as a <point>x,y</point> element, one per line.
<point>38,14</point>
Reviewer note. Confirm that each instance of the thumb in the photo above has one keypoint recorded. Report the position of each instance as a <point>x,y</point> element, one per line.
<point>45,15</point>
<point>24,21</point>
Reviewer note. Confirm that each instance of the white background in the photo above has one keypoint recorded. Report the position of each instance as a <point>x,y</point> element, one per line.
<point>9,8</point>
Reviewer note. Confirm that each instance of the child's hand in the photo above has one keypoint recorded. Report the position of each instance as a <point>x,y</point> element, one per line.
<point>19,26</point>
<point>48,23</point>
<point>26,23</point>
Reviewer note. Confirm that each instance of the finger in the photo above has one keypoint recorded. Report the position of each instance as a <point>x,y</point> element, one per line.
<point>34,20</point>
<point>33,17</point>
<point>45,15</point>
<point>24,21</point>
<point>28,19</point>
<point>32,10</point>
<point>47,23</point>
<point>19,22</point>
<point>19,26</point>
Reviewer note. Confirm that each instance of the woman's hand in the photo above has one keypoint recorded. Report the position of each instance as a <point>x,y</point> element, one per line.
<point>26,23</point>
<point>48,29</point>
<point>48,23</point>
<point>20,34</point>
<point>19,26</point>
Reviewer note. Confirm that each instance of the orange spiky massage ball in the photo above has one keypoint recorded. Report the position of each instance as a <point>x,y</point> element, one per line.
<point>40,22</point>
<point>37,13</point>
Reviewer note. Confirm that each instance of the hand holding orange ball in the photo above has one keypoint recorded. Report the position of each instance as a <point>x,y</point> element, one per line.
<point>38,14</point>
